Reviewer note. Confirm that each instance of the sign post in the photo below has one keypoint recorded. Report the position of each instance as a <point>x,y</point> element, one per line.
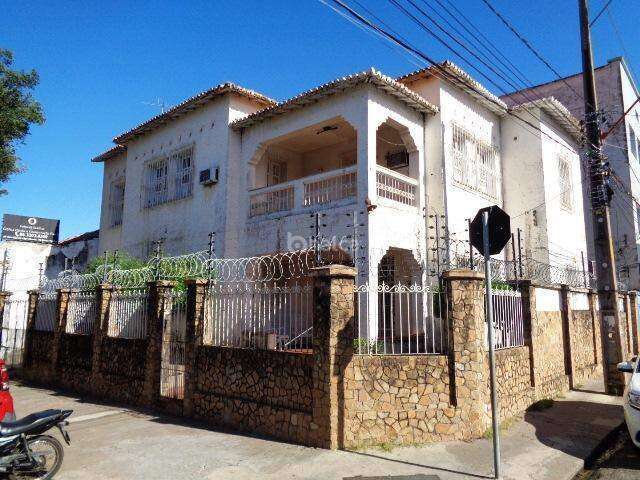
<point>489,232</point>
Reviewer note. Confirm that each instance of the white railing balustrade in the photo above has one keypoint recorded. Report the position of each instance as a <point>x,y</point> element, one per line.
<point>276,199</point>
<point>508,320</point>
<point>46,311</point>
<point>395,186</point>
<point>81,312</point>
<point>304,193</point>
<point>128,313</point>
<point>331,189</point>
<point>400,320</point>
<point>259,316</point>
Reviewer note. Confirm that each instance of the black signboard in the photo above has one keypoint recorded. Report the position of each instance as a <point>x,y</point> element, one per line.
<point>30,229</point>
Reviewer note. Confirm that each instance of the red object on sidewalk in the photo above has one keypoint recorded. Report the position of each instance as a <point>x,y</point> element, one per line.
<point>7,414</point>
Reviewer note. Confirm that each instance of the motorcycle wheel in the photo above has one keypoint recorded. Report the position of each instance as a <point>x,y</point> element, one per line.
<point>48,453</point>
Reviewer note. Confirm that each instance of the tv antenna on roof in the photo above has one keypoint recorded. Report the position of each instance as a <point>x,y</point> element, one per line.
<point>158,102</point>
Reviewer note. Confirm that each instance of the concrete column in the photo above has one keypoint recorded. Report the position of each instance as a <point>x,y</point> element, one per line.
<point>565,312</point>
<point>612,346</point>
<point>468,347</point>
<point>59,328</point>
<point>595,322</point>
<point>633,307</point>
<point>100,328</point>
<point>158,307</point>
<point>333,333</point>
<point>528,291</point>
<point>196,293</point>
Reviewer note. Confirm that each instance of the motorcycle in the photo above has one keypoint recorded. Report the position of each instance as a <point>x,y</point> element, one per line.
<point>26,452</point>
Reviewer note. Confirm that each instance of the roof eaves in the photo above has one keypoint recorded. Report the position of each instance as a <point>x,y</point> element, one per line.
<point>469,85</point>
<point>372,76</point>
<point>191,104</point>
<point>109,154</point>
<point>556,110</point>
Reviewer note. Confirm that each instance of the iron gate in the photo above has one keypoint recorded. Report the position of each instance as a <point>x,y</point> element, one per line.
<point>14,325</point>
<point>173,348</point>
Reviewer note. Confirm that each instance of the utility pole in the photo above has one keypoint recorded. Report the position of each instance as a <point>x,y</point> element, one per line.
<point>600,200</point>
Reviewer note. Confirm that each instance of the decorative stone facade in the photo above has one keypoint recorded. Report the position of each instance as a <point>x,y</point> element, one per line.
<point>74,362</point>
<point>266,392</point>
<point>513,374</point>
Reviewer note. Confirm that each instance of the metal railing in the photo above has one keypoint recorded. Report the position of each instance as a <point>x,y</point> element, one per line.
<point>14,325</point>
<point>400,320</point>
<point>395,186</point>
<point>128,313</point>
<point>174,332</point>
<point>508,320</point>
<point>331,189</point>
<point>82,310</point>
<point>259,316</point>
<point>46,312</point>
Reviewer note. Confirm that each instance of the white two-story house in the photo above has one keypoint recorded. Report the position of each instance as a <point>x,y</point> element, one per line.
<point>373,161</point>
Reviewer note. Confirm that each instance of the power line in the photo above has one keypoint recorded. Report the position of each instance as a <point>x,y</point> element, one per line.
<point>606,5</point>
<point>530,47</point>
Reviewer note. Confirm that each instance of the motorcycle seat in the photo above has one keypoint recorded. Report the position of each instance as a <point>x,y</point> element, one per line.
<point>27,423</point>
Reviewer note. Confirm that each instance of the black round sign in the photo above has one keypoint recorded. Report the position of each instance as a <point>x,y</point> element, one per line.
<point>499,230</point>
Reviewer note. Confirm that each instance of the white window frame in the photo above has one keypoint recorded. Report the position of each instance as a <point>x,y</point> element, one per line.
<point>475,162</point>
<point>565,182</point>
<point>116,201</point>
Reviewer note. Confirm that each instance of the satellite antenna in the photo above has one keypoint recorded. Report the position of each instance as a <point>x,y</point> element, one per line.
<point>158,103</point>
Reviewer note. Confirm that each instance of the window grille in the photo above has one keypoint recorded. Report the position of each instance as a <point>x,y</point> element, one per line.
<point>566,185</point>
<point>183,167</point>
<point>116,202</point>
<point>475,163</point>
<point>169,178</point>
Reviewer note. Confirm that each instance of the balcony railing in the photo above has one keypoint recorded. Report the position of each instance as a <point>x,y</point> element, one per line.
<point>324,188</point>
<point>395,186</point>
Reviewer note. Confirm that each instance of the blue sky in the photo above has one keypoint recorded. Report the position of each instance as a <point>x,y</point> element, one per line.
<point>100,63</point>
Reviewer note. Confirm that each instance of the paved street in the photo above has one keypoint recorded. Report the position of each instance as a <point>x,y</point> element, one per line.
<point>113,443</point>
<point>621,461</point>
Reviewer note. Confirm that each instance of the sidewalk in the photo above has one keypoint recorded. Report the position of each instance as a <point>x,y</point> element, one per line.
<point>109,443</point>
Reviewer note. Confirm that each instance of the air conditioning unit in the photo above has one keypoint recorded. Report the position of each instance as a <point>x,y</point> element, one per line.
<point>397,159</point>
<point>209,176</point>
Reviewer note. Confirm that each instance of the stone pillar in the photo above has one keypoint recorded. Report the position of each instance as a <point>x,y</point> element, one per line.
<point>32,307</point>
<point>333,334</point>
<point>4,296</point>
<point>158,308</point>
<point>58,329</point>
<point>528,291</point>
<point>565,313</point>
<point>468,348</point>
<point>633,307</point>
<point>196,292</point>
<point>100,328</point>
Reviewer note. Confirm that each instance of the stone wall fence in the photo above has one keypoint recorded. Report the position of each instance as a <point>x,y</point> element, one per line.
<point>328,396</point>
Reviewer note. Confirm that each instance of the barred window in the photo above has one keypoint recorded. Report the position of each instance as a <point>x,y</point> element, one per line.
<point>116,202</point>
<point>566,185</point>
<point>183,167</point>
<point>169,178</point>
<point>475,163</point>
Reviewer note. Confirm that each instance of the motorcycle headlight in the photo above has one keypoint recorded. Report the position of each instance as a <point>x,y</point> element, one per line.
<point>634,399</point>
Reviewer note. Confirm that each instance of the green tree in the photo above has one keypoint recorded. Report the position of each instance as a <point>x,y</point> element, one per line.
<point>18,110</point>
<point>123,262</point>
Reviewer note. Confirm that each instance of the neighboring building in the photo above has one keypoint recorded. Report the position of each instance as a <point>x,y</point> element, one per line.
<point>394,152</point>
<point>73,253</point>
<point>616,92</point>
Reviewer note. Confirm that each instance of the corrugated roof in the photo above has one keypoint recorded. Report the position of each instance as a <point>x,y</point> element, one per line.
<point>556,110</point>
<point>112,152</point>
<point>189,105</point>
<point>465,82</point>
<point>373,77</point>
